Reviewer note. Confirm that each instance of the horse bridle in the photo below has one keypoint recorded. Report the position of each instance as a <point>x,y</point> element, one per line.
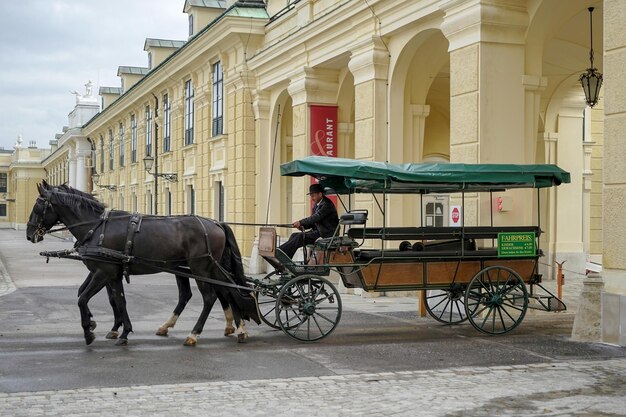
<point>40,229</point>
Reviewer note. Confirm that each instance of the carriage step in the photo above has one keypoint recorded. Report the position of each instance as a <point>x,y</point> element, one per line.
<point>546,303</point>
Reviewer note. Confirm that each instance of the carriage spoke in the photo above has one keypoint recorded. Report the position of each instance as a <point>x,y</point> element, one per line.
<point>504,302</point>
<point>316,304</point>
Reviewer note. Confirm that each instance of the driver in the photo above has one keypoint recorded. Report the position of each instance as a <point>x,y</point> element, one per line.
<point>322,223</point>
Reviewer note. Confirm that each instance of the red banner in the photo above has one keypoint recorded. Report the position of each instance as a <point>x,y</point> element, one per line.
<point>323,133</point>
<point>324,130</point>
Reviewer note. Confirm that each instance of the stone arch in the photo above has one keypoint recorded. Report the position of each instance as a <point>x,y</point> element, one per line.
<point>420,99</point>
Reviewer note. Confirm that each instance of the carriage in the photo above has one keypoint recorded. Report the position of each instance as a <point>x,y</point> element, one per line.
<point>485,274</point>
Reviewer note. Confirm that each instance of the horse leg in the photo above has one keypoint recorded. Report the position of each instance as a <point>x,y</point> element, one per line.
<point>95,284</point>
<point>117,290</point>
<point>242,334</point>
<point>92,323</point>
<point>208,298</point>
<point>184,295</point>
<point>117,315</point>
<point>228,315</point>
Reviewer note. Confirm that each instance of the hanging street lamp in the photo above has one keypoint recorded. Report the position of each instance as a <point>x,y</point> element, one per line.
<point>591,80</point>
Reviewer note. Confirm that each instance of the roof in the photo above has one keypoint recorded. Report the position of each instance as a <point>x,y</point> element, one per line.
<point>110,90</point>
<point>132,70</point>
<point>162,43</point>
<point>215,4</point>
<point>347,176</point>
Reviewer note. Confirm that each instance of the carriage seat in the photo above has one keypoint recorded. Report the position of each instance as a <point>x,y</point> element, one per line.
<point>334,242</point>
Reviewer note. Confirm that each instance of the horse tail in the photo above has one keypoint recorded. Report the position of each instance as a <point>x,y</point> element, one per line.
<point>231,261</point>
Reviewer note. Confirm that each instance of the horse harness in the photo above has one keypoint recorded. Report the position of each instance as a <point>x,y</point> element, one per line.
<point>103,254</point>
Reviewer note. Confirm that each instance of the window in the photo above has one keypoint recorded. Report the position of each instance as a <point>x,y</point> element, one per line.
<point>3,210</point>
<point>150,60</point>
<point>111,151</point>
<point>190,25</point>
<point>219,190</point>
<point>121,205</point>
<point>101,154</point>
<point>168,202</point>
<point>133,202</point>
<point>435,210</point>
<point>121,145</point>
<point>3,182</point>
<point>149,202</point>
<point>133,138</point>
<point>188,113</point>
<point>218,100</point>
<point>191,200</point>
<point>148,131</point>
<point>167,128</point>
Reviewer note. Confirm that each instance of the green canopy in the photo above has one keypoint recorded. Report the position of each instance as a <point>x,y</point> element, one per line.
<point>347,176</point>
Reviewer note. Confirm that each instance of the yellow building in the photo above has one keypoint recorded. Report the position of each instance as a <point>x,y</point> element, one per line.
<point>20,171</point>
<point>408,81</point>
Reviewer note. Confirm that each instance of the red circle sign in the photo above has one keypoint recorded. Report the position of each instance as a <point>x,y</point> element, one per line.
<point>455,215</point>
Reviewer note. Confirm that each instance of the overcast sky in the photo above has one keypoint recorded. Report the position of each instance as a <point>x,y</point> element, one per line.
<point>51,47</point>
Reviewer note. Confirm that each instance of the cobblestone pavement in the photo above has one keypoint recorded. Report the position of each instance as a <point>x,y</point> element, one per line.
<point>577,388</point>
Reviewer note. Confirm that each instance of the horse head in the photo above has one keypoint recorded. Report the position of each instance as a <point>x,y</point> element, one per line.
<point>42,217</point>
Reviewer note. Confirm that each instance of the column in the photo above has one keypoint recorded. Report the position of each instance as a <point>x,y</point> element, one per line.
<point>487,94</point>
<point>83,151</point>
<point>72,157</point>
<point>369,65</point>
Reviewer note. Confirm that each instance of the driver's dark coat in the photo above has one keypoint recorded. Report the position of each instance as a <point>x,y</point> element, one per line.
<point>324,218</point>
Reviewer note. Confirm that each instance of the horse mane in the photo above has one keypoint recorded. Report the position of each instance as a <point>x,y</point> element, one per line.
<point>65,188</point>
<point>79,201</point>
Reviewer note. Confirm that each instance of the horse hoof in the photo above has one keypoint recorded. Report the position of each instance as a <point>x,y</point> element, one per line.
<point>112,335</point>
<point>162,331</point>
<point>229,330</point>
<point>89,338</point>
<point>242,337</point>
<point>190,341</point>
<point>92,325</point>
<point>121,342</point>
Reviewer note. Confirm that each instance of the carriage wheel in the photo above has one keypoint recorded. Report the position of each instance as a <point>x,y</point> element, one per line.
<point>446,305</point>
<point>496,300</point>
<point>266,297</point>
<point>266,303</point>
<point>308,308</point>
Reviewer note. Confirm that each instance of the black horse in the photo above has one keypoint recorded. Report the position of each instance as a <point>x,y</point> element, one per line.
<point>205,247</point>
<point>182,282</point>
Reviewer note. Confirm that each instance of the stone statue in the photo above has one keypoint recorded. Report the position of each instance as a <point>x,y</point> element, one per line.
<point>88,88</point>
<point>77,94</point>
<point>88,91</point>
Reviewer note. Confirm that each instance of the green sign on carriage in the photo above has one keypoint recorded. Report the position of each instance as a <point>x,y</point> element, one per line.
<point>513,244</point>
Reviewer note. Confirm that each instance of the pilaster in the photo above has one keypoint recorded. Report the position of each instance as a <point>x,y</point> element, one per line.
<point>241,153</point>
<point>307,86</point>
<point>569,242</point>
<point>369,65</point>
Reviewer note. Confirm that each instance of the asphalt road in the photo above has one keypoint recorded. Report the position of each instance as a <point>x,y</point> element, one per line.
<point>42,347</point>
